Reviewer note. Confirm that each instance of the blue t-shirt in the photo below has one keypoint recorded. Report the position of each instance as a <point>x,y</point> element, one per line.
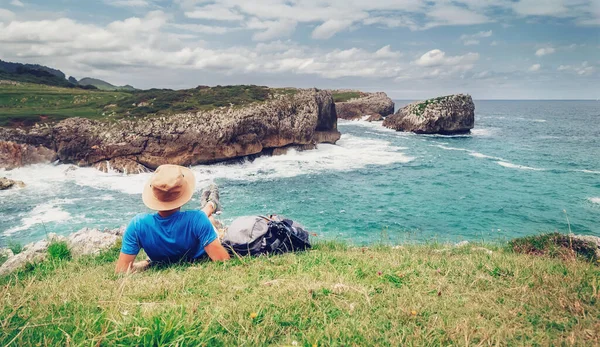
<point>180,236</point>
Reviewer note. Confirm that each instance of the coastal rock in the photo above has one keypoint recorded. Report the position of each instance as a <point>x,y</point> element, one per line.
<point>84,242</point>
<point>31,253</point>
<point>6,183</point>
<point>303,118</point>
<point>454,114</point>
<point>121,164</point>
<point>92,241</point>
<point>13,155</point>
<point>375,118</point>
<point>367,104</point>
<point>6,253</point>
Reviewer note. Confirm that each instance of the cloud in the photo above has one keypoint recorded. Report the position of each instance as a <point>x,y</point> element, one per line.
<point>272,29</point>
<point>584,69</point>
<point>204,29</point>
<point>6,15</point>
<point>470,40</point>
<point>127,3</point>
<point>437,57</point>
<point>535,67</point>
<point>17,3</point>
<point>544,51</point>
<point>453,15</point>
<point>214,12</point>
<point>330,28</point>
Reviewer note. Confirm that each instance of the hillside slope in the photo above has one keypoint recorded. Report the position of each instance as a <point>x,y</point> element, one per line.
<point>331,296</point>
<point>103,85</point>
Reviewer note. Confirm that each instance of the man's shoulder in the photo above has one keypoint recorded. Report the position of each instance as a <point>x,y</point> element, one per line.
<point>143,218</point>
<point>194,214</point>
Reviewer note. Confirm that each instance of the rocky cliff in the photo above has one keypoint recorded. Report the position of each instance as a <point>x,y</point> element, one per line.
<point>372,104</point>
<point>453,114</point>
<point>306,117</point>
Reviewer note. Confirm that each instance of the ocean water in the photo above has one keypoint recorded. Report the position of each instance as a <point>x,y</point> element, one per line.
<point>527,167</point>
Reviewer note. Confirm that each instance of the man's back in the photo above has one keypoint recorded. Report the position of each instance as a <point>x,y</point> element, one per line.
<point>180,236</point>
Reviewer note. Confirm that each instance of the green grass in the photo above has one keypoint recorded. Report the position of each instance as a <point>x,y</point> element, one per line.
<point>332,295</point>
<point>345,96</point>
<point>27,104</point>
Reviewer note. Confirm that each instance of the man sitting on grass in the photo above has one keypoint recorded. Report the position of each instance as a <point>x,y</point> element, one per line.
<point>171,236</point>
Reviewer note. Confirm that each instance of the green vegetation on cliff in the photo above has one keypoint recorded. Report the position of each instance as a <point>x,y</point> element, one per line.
<point>26,104</point>
<point>339,96</point>
<point>332,295</point>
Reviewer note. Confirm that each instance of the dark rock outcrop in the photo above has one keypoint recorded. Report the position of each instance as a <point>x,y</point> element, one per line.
<point>307,117</point>
<point>368,104</point>
<point>7,183</point>
<point>453,114</point>
<point>13,155</point>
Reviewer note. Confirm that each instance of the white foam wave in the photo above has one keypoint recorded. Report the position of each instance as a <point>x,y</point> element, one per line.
<point>452,148</point>
<point>350,153</point>
<point>515,166</point>
<point>484,156</point>
<point>589,171</point>
<point>44,213</point>
<point>483,132</point>
<point>595,200</point>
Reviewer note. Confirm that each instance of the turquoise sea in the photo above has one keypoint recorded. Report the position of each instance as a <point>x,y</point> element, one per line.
<point>527,167</point>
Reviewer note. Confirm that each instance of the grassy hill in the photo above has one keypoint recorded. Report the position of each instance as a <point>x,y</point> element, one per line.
<point>26,104</point>
<point>333,295</point>
<point>102,85</point>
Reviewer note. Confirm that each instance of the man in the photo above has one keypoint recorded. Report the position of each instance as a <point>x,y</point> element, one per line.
<point>171,236</point>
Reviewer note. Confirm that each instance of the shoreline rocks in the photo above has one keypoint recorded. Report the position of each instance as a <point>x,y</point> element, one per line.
<point>447,115</point>
<point>370,104</point>
<point>7,183</point>
<point>83,242</point>
<point>307,117</point>
<point>14,155</point>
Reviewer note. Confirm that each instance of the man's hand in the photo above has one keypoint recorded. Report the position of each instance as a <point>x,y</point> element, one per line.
<point>216,251</point>
<point>125,263</point>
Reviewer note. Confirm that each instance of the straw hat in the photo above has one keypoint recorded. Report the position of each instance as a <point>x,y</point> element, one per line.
<point>170,187</point>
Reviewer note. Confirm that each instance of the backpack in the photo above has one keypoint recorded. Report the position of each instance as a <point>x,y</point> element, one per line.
<point>258,235</point>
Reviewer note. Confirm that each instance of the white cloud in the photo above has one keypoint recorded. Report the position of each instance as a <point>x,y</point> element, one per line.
<point>454,15</point>
<point>535,67</point>
<point>214,12</point>
<point>437,57</point>
<point>6,15</point>
<point>272,29</point>
<point>17,3</point>
<point>471,40</point>
<point>584,69</point>
<point>127,3</point>
<point>544,51</point>
<point>386,52</point>
<point>330,28</point>
<point>203,29</point>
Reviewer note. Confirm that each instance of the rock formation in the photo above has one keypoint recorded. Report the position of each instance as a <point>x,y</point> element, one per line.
<point>7,183</point>
<point>367,104</point>
<point>454,114</point>
<point>307,117</point>
<point>84,242</point>
<point>13,155</point>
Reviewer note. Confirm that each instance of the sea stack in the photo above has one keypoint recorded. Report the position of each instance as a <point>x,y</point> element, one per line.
<point>375,105</point>
<point>447,115</point>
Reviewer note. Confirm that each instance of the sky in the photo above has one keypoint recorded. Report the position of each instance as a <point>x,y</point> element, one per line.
<point>410,49</point>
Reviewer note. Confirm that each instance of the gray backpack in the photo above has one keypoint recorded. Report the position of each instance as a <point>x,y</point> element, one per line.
<point>258,235</point>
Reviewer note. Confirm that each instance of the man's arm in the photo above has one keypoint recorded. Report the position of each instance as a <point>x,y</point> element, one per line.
<point>216,251</point>
<point>125,263</point>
